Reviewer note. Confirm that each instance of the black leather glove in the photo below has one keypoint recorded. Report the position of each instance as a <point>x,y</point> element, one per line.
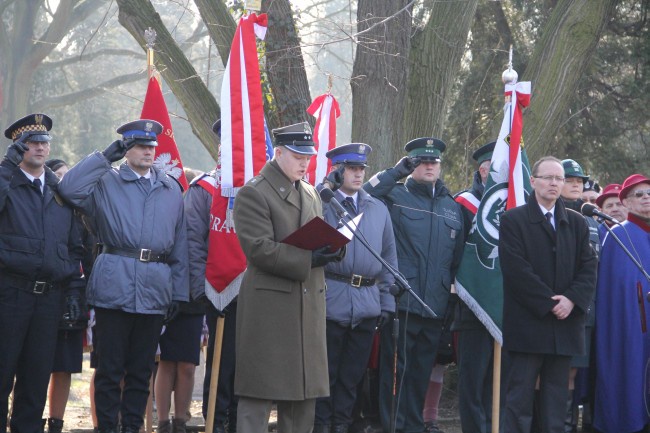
<point>172,312</point>
<point>115,151</point>
<point>383,319</point>
<point>73,308</point>
<point>406,165</point>
<point>322,256</point>
<point>334,178</point>
<point>17,149</point>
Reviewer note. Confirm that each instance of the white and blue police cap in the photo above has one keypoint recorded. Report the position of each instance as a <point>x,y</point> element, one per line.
<point>297,138</point>
<point>426,148</point>
<point>143,131</point>
<point>350,154</point>
<point>35,125</point>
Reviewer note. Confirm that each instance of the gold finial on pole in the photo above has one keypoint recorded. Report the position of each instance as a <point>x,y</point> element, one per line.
<point>330,82</point>
<point>150,38</point>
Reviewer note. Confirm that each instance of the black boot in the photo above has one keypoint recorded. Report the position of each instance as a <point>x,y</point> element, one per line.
<point>178,426</point>
<point>54,425</point>
<point>571,418</point>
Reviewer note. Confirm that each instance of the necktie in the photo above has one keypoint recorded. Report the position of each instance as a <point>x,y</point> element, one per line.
<point>37,183</point>
<point>349,204</point>
<point>146,183</point>
<point>549,218</point>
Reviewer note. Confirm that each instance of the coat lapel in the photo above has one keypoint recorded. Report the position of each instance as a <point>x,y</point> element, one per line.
<point>308,202</point>
<point>281,184</point>
<point>536,217</point>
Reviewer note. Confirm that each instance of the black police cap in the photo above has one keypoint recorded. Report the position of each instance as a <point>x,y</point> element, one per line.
<point>37,125</point>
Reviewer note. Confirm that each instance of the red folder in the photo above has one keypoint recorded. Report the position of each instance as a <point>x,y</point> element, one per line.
<point>316,234</point>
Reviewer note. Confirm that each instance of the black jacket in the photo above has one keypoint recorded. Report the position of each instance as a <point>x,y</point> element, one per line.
<point>538,263</point>
<point>40,238</point>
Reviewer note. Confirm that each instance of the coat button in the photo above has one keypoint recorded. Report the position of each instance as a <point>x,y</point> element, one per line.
<point>282,188</point>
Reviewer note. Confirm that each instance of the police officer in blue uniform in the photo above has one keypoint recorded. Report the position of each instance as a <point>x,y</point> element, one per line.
<point>428,229</point>
<point>358,300</point>
<point>40,271</point>
<point>141,275</point>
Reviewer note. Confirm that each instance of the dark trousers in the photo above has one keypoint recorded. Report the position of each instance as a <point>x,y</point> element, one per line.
<point>126,347</point>
<point>28,327</point>
<point>226,407</point>
<point>553,371</point>
<point>416,353</point>
<point>348,350</point>
<point>475,361</point>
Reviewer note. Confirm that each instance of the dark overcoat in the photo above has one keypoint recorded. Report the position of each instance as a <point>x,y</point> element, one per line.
<point>280,336</point>
<point>538,263</point>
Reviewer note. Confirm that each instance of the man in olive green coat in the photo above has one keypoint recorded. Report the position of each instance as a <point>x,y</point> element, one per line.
<point>280,335</point>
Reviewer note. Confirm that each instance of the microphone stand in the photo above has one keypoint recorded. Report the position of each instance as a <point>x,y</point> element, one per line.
<point>403,285</point>
<point>638,265</point>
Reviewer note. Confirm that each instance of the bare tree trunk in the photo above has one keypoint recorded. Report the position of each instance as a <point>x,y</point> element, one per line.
<point>285,66</point>
<point>221,26</point>
<point>379,78</point>
<point>560,59</point>
<point>201,107</point>
<point>434,58</point>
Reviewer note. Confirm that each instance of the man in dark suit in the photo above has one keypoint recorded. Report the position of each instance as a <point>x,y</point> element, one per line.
<point>549,278</point>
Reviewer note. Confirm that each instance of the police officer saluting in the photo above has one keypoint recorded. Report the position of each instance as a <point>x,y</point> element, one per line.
<point>428,229</point>
<point>358,300</point>
<point>40,272</point>
<point>141,274</point>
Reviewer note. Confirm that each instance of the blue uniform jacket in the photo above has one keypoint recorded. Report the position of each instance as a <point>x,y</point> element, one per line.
<point>40,239</point>
<point>127,216</point>
<point>350,305</point>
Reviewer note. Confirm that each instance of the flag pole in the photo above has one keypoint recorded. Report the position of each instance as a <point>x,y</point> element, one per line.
<point>509,76</point>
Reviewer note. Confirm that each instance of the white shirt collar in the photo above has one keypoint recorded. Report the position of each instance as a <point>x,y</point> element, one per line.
<point>31,178</point>
<point>355,196</point>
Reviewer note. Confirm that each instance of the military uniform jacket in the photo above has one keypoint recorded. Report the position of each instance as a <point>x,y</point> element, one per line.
<point>429,237</point>
<point>125,215</point>
<point>538,263</point>
<point>40,238</point>
<point>349,305</point>
<point>280,337</point>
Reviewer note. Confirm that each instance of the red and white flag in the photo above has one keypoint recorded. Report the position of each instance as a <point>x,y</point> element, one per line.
<point>326,110</point>
<point>243,145</point>
<point>519,99</point>
<point>168,159</point>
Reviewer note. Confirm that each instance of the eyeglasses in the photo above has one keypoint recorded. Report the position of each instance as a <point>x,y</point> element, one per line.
<point>558,179</point>
<point>641,192</point>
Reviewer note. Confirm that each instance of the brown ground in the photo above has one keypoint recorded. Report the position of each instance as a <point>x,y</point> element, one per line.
<point>77,417</point>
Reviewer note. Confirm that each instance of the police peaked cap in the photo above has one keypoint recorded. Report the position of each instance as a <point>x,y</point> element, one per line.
<point>37,125</point>
<point>350,154</point>
<point>484,153</point>
<point>426,148</point>
<point>143,131</point>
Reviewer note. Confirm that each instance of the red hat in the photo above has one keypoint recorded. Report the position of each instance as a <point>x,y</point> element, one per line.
<point>630,183</point>
<point>610,190</point>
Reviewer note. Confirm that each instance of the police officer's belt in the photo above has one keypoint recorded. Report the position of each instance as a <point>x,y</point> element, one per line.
<point>144,255</point>
<point>354,280</point>
<point>28,285</point>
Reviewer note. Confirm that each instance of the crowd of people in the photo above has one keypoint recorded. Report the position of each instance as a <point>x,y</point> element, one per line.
<point>114,258</point>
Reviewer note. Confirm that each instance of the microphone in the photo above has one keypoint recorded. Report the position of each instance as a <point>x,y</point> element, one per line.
<point>327,195</point>
<point>590,210</point>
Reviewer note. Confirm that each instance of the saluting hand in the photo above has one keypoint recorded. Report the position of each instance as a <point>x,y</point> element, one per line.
<point>17,150</point>
<point>406,165</point>
<point>334,178</point>
<point>563,307</point>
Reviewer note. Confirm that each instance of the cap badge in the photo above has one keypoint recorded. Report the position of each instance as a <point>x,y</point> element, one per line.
<point>38,118</point>
<point>362,149</point>
<point>148,126</point>
<point>429,142</point>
